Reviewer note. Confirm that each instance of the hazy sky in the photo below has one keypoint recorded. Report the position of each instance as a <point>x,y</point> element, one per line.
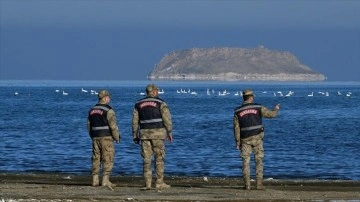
<point>124,39</point>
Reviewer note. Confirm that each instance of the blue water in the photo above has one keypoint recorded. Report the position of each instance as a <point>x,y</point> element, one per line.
<point>312,138</point>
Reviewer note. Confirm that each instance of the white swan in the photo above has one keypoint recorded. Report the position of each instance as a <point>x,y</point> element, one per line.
<point>290,93</point>
<point>65,93</point>
<point>208,92</point>
<point>183,91</point>
<point>311,94</point>
<point>223,93</point>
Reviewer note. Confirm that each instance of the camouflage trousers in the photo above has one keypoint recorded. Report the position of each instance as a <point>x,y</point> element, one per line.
<point>148,148</point>
<point>103,152</point>
<point>249,145</point>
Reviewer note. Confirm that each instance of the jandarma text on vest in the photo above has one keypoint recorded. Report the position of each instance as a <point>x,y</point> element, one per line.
<point>96,111</point>
<point>146,104</point>
<point>248,111</point>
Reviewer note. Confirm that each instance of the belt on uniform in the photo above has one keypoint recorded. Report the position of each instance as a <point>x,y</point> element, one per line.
<point>251,128</point>
<point>151,121</point>
<point>100,128</point>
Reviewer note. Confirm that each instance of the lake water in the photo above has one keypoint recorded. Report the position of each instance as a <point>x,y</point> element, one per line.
<point>313,137</point>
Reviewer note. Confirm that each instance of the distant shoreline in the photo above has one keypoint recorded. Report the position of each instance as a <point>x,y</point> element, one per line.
<point>143,83</point>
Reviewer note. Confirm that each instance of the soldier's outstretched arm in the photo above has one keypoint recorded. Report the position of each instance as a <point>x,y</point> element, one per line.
<point>270,113</point>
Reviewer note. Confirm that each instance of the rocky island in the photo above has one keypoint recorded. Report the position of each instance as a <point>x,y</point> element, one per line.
<point>233,64</point>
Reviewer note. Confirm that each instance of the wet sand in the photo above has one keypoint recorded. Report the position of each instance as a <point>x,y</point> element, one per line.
<point>63,187</point>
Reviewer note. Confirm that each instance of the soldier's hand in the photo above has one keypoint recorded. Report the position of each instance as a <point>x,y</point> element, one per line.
<point>238,147</point>
<point>136,140</point>
<point>277,106</point>
<point>169,138</point>
<point>117,141</point>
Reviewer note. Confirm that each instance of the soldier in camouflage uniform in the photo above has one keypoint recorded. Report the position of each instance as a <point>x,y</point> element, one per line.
<point>103,130</point>
<point>151,125</point>
<point>249,135</point>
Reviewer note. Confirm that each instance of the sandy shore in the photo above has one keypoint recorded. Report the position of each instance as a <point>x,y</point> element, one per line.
<point>62,187</point>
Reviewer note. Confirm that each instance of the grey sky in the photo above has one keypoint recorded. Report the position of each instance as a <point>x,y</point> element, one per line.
<point>185,13</point>
<point>150,29</point>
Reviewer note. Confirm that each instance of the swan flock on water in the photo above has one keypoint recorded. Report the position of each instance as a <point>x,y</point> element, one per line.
<point>209,92</point>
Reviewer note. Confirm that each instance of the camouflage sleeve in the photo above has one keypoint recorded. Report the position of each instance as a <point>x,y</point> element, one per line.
<point>135,123</point>
<point>88,126</point>
<point>166,116</point>
<point>113,125</point>
<point>268,113</point>
<point>236,130</point>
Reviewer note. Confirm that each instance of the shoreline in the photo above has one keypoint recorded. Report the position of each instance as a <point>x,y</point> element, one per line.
<point>71,187</point>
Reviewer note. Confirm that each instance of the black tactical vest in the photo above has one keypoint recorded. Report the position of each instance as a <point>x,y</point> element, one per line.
<point>250,119</point>
<point>99,125</point>
<point>149,113</point>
